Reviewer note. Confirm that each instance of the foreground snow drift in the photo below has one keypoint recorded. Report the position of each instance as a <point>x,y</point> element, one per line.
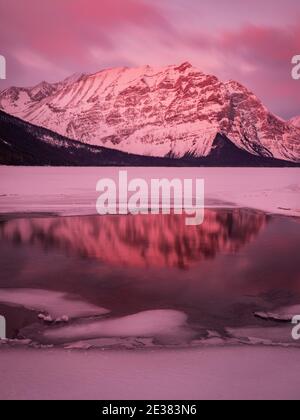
<point>220,373</point>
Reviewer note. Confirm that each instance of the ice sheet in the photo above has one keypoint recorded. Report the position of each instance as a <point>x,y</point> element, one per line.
<point>286,313</point>
<point>156,323</point>
<point>72,191</point>
<point>55,304</point>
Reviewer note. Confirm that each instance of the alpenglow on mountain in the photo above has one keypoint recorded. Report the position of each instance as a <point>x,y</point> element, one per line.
<point>295,121</point>
<point>173,111</point>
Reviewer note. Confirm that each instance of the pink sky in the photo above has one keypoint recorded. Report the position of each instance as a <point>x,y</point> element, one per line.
<point>252,42</point>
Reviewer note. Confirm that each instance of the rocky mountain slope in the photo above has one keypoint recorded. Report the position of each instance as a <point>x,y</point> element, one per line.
<point>295,121</point>
<point>175,111</point>
<point>22,143</point>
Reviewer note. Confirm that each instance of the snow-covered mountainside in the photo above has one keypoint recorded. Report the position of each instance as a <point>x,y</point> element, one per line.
<point>172,111</point>
<point>22,143</point>
<point>295,121</point>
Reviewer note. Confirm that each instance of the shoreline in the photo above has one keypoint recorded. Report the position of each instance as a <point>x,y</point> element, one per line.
<point>8,216</point>
<point>72,191</point>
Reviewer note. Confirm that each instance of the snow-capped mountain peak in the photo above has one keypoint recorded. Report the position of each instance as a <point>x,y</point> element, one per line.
<point>295,121</point>
<point>169,111</point>
<point>73,78</point>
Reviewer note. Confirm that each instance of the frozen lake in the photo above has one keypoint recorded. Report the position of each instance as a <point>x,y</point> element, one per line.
<point>72,191</point>
<point>179,296</point>
<point>150,280</point>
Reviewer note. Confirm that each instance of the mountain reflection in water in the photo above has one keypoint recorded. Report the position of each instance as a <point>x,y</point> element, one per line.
<point>213,277</point>
<point>142,240</point>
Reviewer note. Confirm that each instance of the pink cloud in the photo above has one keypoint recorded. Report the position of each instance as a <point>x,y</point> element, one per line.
<point>265,45</point>
<point>62,34</point>
<point>66,27</point>
<point>50,39</point>
<point>269,50</point>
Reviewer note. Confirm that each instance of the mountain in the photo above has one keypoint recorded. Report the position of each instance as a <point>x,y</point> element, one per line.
<point>295,121</point>
<point>22,143</point>
<point>174,111</point>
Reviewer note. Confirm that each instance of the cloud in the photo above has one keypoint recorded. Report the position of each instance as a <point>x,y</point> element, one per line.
<point>268,46</point>
<point>63,30</point>
<point>258,56</point>
<point>268,51</point>
<point>50,39</point>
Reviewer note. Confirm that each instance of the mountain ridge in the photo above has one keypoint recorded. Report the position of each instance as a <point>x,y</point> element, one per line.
<point>295,121</point>
<point>169,111</point>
